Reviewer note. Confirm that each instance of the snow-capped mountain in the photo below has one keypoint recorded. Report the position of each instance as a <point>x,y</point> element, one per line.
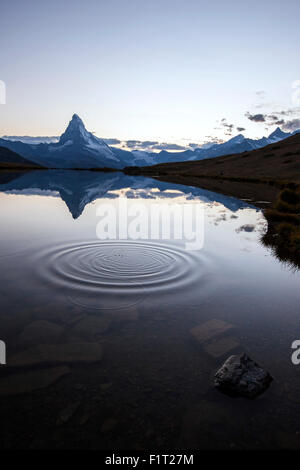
<point>78,148</point>
<point>237,144</point>
<point>77,136</point>
<point>278,135</point>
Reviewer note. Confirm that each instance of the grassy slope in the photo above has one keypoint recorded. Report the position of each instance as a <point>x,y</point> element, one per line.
<point>278,162</point>
<point>11,160</point>
<point>277,170</point>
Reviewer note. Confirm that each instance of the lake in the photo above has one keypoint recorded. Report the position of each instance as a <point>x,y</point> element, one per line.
<point>99,298</point>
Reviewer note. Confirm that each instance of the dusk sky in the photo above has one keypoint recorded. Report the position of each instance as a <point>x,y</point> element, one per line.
<point>166,70</point>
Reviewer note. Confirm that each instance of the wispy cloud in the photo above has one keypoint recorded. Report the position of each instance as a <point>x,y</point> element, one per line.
<point>277,118</point>
<point>228,128</point>
<point>166,146</point>
<point>260,94</point>
<point>112,141</point>
<point>255,117</point>
<point>292,125</point>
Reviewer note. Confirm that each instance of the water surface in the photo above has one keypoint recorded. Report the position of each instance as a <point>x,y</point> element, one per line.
<point>139,300</point>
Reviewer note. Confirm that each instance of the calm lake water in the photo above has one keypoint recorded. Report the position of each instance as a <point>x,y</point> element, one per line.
<point>99,333</point>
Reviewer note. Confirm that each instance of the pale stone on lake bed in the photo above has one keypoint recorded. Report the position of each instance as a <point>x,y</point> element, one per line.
<point>40,331</point>
<point>210,329</point>
<point>27,382</point>
<point>90,327</point>
<point>58,354</point>
<point>220,347</point>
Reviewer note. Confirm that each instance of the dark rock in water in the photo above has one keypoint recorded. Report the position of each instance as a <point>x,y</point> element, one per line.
<point>240,375</point>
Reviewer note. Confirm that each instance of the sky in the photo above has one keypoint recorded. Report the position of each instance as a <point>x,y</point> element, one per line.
<point>167,71</point>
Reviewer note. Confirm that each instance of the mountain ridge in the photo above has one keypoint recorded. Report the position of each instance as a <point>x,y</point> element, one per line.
<point>276,162</point>
<point>79,148</point>
<point>78,190</point>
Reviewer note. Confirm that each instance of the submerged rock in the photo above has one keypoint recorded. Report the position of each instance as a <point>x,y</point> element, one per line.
<point>220,347</point>
<point>40,331</point>
<point>213,337</point>
<point>240,375</point>
<point>210,329</point>
<point>89,328</point>
<point>17,384</point>
<point>47,354</point>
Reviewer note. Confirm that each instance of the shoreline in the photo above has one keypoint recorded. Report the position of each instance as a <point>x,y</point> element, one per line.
<point>278,199</point>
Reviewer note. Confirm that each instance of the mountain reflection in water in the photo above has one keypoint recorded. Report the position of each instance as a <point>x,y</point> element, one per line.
<point>101,332</point>
<point>79,188</point>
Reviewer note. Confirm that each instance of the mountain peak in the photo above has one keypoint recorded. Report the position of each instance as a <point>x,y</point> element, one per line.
<point>237,139</point>
<point>278,134</point>
<point>76,140</point>
<point>76,117</point>
<point>75,131</point>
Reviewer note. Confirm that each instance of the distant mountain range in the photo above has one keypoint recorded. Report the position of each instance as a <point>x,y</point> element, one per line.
<point>78,148</point>
<point>278,162</point>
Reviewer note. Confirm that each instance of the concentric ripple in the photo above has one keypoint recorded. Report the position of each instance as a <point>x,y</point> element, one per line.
<point>116,274</point>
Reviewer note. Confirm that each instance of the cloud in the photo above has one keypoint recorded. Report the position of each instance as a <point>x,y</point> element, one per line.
<point>274,120</point>
<point>112,141</point>
<point>279,122</point>
<point>133,143</point>
<point>32,140</point>
<point>148,143</point>
<point>270,119</point>
<point>261,94</point>
<point>151,145</point>
<point>292,125</point>
<point>212,140</point>
<point>255,117</point>
<point>228,128</point>
<point>245,228</point>
<point>166,146</point>
<point>289,112</point>
<point>277,118</point>
<point>140,144</point>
